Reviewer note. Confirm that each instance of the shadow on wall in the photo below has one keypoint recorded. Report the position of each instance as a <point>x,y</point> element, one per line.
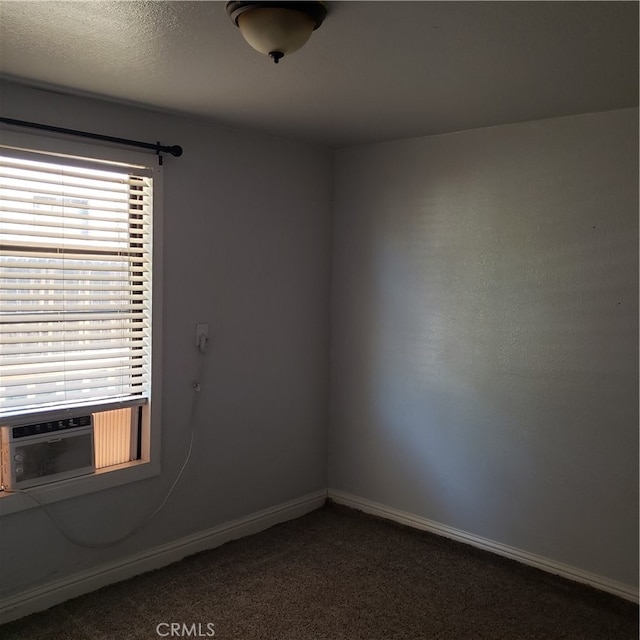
<point>489,345</point>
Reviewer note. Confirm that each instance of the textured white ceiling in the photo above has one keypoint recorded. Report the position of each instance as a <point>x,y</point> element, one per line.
<point>373,71</point>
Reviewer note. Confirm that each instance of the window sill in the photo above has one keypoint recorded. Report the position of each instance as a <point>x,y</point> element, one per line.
<point>73,487</point>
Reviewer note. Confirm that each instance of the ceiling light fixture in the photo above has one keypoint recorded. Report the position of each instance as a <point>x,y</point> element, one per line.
<point>276,28</point>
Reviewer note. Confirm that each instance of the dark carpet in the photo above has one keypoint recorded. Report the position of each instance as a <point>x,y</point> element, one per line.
<point>339,574</point>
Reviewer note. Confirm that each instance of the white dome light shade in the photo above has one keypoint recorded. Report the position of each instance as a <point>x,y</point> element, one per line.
<point>277,28</point>
<point>273,30</point>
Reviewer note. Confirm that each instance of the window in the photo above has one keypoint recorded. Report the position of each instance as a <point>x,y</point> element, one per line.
<point>76,296</point>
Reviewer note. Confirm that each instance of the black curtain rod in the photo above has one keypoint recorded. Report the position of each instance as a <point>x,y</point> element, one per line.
<point>174,150</point>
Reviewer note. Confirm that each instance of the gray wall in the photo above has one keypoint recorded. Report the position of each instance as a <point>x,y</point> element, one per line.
<point>485,334</point>
<point>247,249</point>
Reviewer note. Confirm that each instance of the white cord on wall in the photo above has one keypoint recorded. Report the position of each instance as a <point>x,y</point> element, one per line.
<point>196,387</point>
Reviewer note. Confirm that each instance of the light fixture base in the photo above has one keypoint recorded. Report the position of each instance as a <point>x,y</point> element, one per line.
<point>316,10</point>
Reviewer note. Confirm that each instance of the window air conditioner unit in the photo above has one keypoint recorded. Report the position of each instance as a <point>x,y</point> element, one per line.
<point>51,449</point>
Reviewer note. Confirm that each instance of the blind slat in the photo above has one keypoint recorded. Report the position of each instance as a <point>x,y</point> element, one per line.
<point>50,353</point>
<point>20,367</point>
<point>118,238</point>
<point>57,317</point>
<point>72,289</point>
<point>61,258</point>
<point>57,398</point>
<point>64,279</point>
<point>43,171</point>
<point>13,208</point>
<point>120,367</point>
<point>15,219</point>
<point>71,328</point>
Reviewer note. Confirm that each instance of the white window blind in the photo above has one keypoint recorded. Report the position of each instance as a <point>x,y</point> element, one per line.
<point>75,282</point>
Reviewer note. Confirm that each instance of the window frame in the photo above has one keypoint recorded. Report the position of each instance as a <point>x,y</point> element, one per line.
<point>150,425</point>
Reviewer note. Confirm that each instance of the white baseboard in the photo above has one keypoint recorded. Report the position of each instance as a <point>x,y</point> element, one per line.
<point>551,566</point>
<point>53,593</point>
<point>78,584</point>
